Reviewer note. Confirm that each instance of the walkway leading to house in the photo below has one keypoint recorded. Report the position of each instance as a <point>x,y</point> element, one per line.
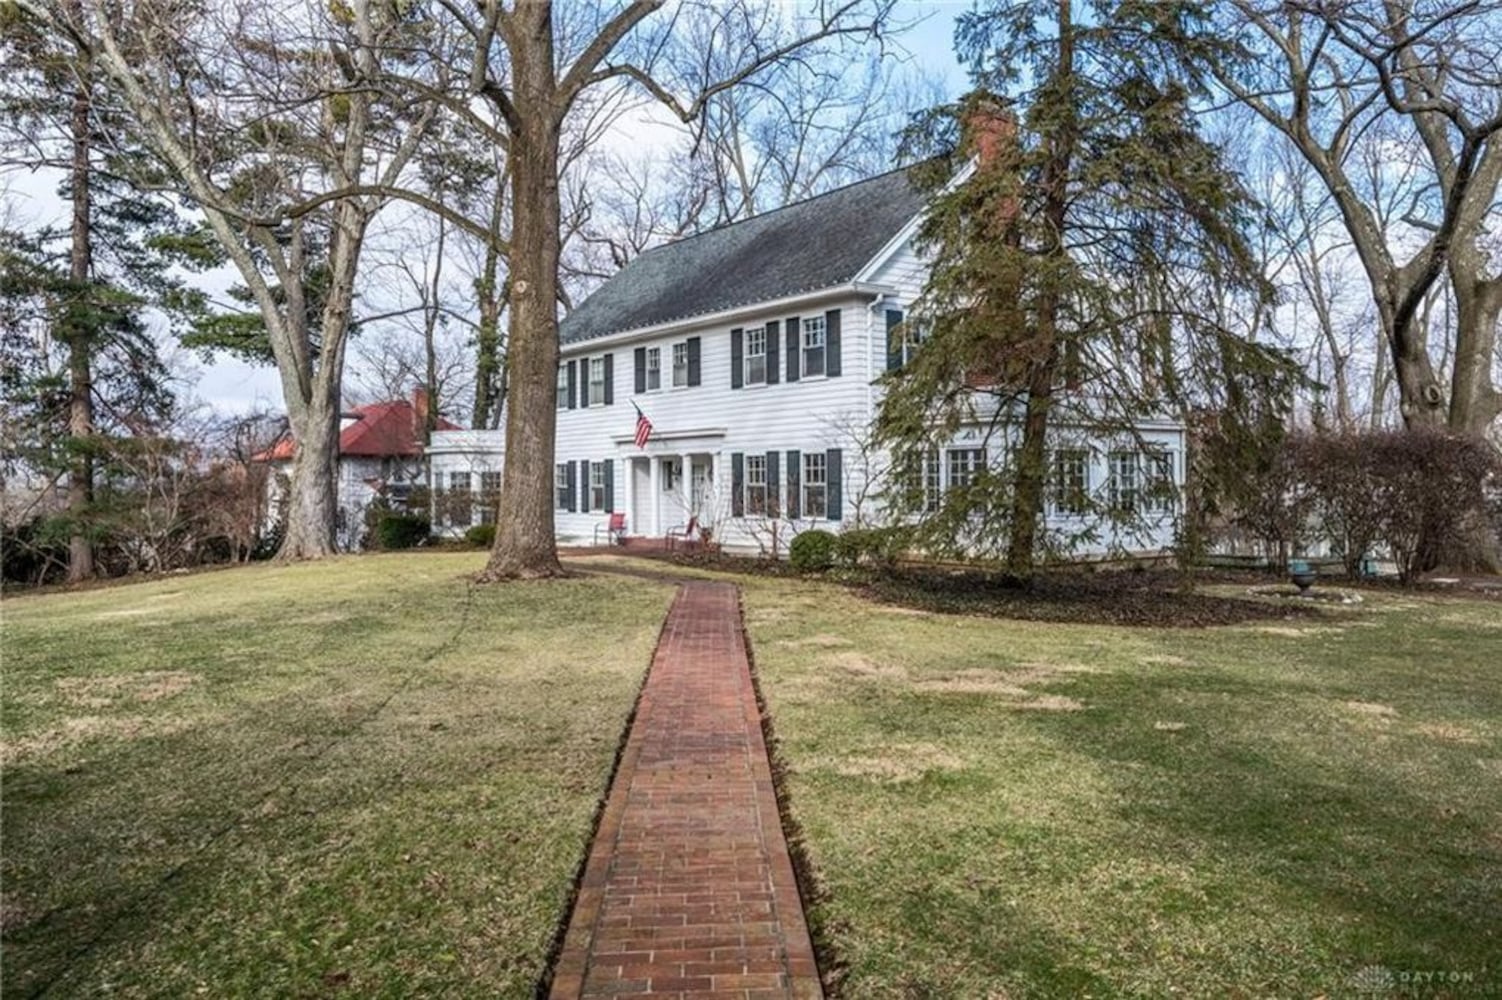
<point>689,890</point>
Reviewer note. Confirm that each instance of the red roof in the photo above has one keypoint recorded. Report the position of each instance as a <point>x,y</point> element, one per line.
<point>377,431</point>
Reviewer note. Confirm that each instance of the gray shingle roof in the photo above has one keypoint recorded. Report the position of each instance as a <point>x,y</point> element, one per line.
<point>814,244</point>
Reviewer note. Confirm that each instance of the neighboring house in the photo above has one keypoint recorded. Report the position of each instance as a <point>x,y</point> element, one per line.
<point>380,455</point>
<point>754,350</point>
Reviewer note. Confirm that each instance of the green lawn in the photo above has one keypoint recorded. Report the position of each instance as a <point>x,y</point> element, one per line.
<point>1012,809</point>
<point>357,778</point>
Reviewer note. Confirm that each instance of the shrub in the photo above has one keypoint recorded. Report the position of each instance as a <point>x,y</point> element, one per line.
<point>878,547</point>
<point>481,536</point>
<point>812,551</point>
<point>401,531</point>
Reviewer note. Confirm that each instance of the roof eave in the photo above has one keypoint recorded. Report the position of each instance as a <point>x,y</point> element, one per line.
<point>848,289</point>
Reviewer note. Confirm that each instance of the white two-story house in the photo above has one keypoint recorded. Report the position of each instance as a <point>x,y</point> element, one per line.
<point>755,351</point>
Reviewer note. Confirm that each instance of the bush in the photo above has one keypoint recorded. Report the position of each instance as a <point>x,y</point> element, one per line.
<point>812,551</point>
<point>481,536</point>
<point>401,531</point>
<point>877,547</point>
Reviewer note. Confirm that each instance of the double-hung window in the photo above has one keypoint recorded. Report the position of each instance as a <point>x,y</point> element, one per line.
<point>756,355</point>
<point>1157,481</point>
<point>560,486</point>
<point>654,368</point>
<point>964,465</point>
<point>460,501</point>
<point>815,484</point>
<point>914,333</point>
<point>680,364</point>
<point>1124,486</point>
<point>562,402</point>
<point>596,485</point>
<point>756,485</point>
<point>932,485</point>
<point>813,346</point>
<point>490,495</point>
<point>596,381</point>
<point>1070,481</point>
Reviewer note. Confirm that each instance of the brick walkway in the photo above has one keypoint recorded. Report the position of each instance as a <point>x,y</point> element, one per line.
<point>689,891</point>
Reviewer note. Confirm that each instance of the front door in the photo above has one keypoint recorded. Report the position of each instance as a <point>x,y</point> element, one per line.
<point>699,487</point>
<point>640,519</point>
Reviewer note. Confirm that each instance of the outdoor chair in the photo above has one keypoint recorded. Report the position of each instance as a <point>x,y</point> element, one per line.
<point>685,533</point>
<point>614,529</point>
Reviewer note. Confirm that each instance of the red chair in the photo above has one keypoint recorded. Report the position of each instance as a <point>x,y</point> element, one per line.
<point>615,529</point>
<point>685,533</point>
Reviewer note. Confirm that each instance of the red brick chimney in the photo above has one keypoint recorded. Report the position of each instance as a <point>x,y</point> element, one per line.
<point>420,412</point>
<point>989,130</point>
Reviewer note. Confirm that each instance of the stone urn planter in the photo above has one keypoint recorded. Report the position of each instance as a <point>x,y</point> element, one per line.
<point>1302,574</point>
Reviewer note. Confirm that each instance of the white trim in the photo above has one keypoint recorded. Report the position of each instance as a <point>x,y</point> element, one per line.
<point>657,435</point>
<point>908,231</point>
<point>689,323</point>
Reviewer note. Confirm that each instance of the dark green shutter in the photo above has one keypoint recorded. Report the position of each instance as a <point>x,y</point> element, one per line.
<point>573,384</point>
<point>571,487</point>
<point>774,494</point>
<point>609,379</point>
<point>737,362</point>
<point>794,326</point>
<point>609,482</point>
<point>737,484</point>
<point>693,361</point>
<point>795,479</point>
<point>584,486</point>
<point>640,357</point>
<point>834,478</point>
<point>832,342</point>
<point>773,371</point>
<point>894,339</point>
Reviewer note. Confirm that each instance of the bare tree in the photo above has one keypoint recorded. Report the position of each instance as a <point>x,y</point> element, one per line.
<point>536,70</point>
<point>1332,71</point>
<point>267,117</point>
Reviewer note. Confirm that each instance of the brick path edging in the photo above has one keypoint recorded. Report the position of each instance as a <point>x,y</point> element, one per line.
<point>689,890</point>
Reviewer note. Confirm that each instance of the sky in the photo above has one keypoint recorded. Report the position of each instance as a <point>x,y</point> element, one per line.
<point>230,385</point>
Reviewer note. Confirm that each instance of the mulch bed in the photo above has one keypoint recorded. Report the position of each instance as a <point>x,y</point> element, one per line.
<point>1152,598</point>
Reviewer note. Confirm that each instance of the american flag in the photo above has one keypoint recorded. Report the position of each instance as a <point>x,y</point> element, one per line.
<point>643,428</point>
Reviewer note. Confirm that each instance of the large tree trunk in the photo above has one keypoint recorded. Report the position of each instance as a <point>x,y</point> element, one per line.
<point>525,543</point>
<point>487,409</point>
<point>80,342</point>
<point>1474,401</point>
<point>312,499</point>
<point>1031,457</point>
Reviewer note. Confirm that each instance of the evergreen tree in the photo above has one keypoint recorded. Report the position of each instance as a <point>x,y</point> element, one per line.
<point>1085,240</point>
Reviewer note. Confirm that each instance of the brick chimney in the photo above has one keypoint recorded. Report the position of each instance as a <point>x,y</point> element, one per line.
<point>420,413</point>
<point>988,130</point>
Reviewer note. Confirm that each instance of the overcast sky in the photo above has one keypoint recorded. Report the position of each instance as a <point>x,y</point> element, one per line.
<point>230,385</point>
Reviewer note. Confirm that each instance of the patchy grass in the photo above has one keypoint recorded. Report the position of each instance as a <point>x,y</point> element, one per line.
<point>1015,809</point>
<point>359,778</point>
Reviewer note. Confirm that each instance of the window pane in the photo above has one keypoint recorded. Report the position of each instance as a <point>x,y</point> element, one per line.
<point>680,364</point>
<point>562,387</point>
<point>756,484</point>
<point>756,355</point>
<point>756,368</point>
<point>654,368</point>
<point>814,491</point>
<point>596,381</point>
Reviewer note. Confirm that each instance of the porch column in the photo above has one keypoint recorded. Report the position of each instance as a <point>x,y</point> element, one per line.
<point>654,501</point>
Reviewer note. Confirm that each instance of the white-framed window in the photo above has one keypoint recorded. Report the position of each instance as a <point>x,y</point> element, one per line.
<point>654,368</point>
<point>1123,488</point>
<point>813,345</point>
<point>756,485</point>
<point>915,331</point>
<point>680,364</point>
<point>596,381</point>
<point>964,464</point>
<point>932,484</point>
<point>1069,481</point>
<point>596,485</point>
<point>461,512</point>
<point>560,486</point>
<point>562,387</point>
<point>756,355</point>
<point>1157,481</point>
<point>815,484</point>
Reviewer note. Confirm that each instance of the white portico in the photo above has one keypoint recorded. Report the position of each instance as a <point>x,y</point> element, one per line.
<point>672,480</point>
